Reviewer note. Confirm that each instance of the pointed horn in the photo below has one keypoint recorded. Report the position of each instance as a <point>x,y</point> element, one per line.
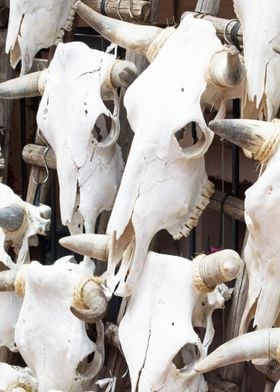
<point>125,34</point>
<point>25,86</point>
<point>261,138</point>
<point>89,302</point>
<point>123,73</point>
<point>226,68</point>
<point>220,267</point>
<point>7,280</point>
<point>264,343</point>
<point>92,245</point>
<point>11,217</point>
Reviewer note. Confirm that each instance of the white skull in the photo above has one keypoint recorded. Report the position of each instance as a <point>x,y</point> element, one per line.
<point>49,337</point>
<point>72,117</point>
<point>157,331</point>
<point>260,25</point>
<point>36,24</point>
<point>10,305</point>
<point>261,253</point>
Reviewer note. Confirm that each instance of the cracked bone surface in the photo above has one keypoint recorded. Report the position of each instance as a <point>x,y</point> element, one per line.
<point>36,24</point>
<point>161,315</point>
<point>260,24</point>
<point>16,379</point>
<point>53,353</point>
<point>261,253</point>
<point>161,164</point>
<point>82,130</point>
<point>19,221</point>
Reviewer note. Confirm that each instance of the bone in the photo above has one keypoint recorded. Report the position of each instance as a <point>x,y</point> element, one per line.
<point>124,34</point>
<point>211,270</point>
<point>227,68</point>
<point>11,217</point>
<point>92,245</point>
<point>90,303</point>
<point>258,137</point>
<point>25,86</point>
<point>255,345</point>
<point>123,73</point>
<point>7,280</point>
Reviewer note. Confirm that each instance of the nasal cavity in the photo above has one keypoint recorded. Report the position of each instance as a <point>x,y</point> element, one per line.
<point>188,135</point>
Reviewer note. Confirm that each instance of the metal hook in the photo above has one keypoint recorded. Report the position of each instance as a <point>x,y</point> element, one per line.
<point>37,182</point>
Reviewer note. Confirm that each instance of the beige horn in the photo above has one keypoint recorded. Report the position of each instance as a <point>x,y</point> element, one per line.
<point>89,302</point>
<point>261,138</point>
<point>220,267</point>
<point>264,343</point>
<point>11,217</point>
<point>125,34</point>
<point>26,86</point>
<point>123,73</point>
<point>92,245</point>
<point>226,68</point>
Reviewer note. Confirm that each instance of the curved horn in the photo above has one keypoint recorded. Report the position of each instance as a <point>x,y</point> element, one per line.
<point>92,245</point>
<point>123,73</point>
<point>264,343</point>
<point>226,68</point>
<point>25,86</point>
<point>124,34</point>
<point>11,217</point>
<point>89,303</point>
<point>220,267</point>
<point>259,137</point>
<point>7,280</point>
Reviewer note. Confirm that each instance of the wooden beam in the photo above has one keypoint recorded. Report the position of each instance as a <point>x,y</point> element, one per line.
<point>33,154</point>
<point>208,6</point>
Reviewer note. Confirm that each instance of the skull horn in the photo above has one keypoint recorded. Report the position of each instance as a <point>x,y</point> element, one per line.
<point>123,73</point>
<point>209,271</point>
<point>7,280</point>
<point>11,217</point>
<point>26,86</point>
<point>92,245</point>
<point>259,344</point>
<point>259,137</point>
<point>89,303</point>
<point>125,34</point>
<point>227,68</point>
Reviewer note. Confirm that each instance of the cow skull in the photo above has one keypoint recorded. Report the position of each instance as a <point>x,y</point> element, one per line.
<point>36,24</point>
<point>49,337</point>
<point>16,379</point>
<point>173,295</point>
<point>189,68</point>
<point>260,25</point>
<point>19,221</point>
<point>261,253</point>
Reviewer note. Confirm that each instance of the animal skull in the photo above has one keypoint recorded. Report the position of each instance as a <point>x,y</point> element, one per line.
<point>260,25</point>
<point>189,67</point>
<point>49,337</point>
<point>19,221</point>
<point>36,24</point>
<point>157,331</point>
<point>16,379</point>
<point>261,253</point>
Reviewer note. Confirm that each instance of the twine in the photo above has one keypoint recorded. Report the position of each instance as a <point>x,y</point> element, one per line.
<point>78,300</point>
<point>20,282</point>
<point>269,146</point>
<point>25,387</point>
<point>158,43</point>
<point>196,275</point>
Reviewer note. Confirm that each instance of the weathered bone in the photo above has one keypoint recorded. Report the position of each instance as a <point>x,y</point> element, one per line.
<point>123,73</point>
<point>16,379</point>
<point>24,86</point>
<point>226,68</point>
<point>91,245</point>
<point>11,217</point>
<point>90,303</point>
<point>260,344</point>
<point>261,138</point>
<point>7,280</point>
<point>125,34</point>
<point>209,271</point>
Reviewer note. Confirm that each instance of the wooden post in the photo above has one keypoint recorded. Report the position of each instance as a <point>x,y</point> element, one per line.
<point>208,6</point>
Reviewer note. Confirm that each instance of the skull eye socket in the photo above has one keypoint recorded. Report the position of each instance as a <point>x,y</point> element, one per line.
<point>186,356</point>
<point>101,128</point>
<point>189,135</point>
